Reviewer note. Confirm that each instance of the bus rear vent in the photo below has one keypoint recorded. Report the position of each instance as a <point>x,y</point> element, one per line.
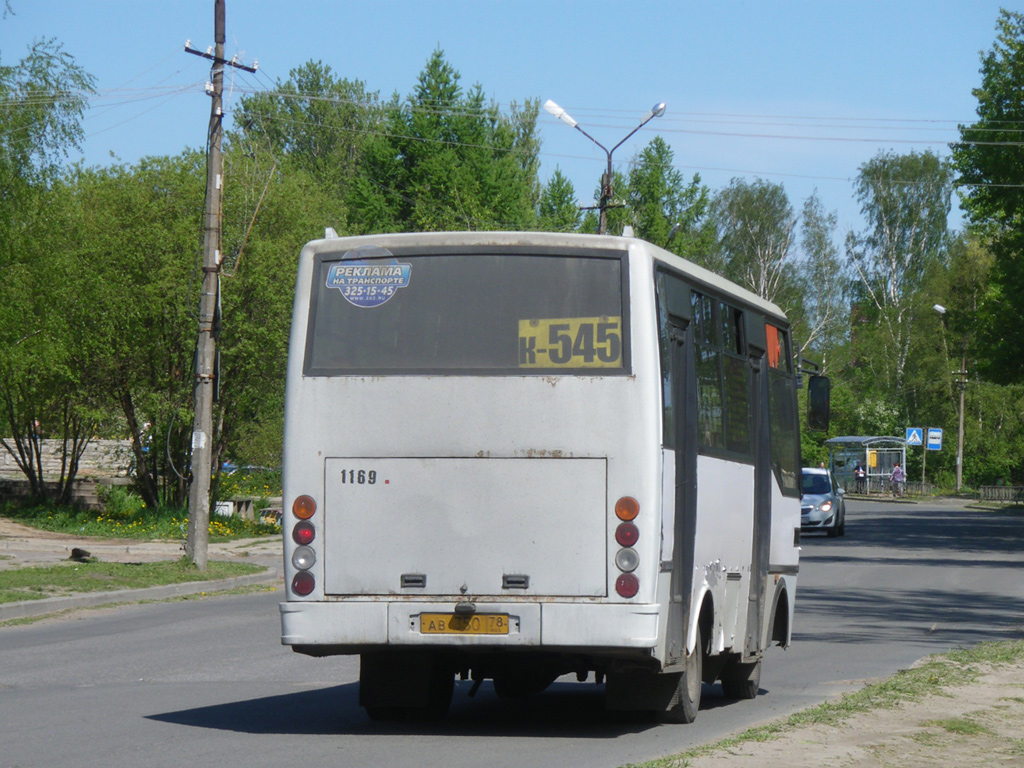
<point>515,581</point>
<point>414,581</point>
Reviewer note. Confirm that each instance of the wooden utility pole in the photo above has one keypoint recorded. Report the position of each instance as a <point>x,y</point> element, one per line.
<point>206,346</point>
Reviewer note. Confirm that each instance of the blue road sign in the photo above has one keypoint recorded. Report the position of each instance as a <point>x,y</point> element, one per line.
<point>934,439</point>
<point>915,436</point>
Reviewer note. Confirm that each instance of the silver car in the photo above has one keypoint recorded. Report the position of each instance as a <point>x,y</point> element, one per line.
<point>821,503</point>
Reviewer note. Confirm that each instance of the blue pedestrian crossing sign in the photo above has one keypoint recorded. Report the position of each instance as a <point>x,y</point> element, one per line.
<point>915,436</point>
<point>934,439</point>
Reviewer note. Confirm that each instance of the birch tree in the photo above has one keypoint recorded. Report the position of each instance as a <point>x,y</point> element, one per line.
<point>824,281</point>
<point>755,224</point>
<point>906,201</point>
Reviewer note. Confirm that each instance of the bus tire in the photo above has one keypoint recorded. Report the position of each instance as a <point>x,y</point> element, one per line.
<point>741,681</point>
<point>439,695</point>
<point>404,686</point>
<point>686,700</point>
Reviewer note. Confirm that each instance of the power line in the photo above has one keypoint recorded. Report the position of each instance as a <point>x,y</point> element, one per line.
<point>887,124</point>
<point>128,96</point>
<point>388,134</point>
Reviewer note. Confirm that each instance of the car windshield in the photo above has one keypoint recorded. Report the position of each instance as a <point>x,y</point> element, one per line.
<point>816,484</point>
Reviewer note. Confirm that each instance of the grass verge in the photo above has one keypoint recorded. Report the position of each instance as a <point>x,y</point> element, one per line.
<point>930,678</point>
<point>69,578</point>
<point>130,521</point>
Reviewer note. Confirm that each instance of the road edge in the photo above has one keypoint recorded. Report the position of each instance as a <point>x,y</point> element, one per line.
<point>26,609</point>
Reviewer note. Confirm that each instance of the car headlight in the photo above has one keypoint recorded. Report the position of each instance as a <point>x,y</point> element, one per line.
<point>826,507</point>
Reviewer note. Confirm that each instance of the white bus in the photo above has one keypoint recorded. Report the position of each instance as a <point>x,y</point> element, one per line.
<point>514,456</point>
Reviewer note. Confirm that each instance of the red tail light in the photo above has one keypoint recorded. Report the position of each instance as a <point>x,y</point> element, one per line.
<point>303,533</point>
<point>627,534</point>
<point>303,583</point>
<point>627,585</point>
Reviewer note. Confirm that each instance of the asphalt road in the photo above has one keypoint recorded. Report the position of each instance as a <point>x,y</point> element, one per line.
<point>207,681</point>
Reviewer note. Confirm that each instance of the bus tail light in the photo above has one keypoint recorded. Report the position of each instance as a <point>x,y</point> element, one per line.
<point>303,583</point>
<point>627,534</point>
<point>303,558</point>
<point>627,585</point>
<point>304,507</point>
<point>303,533</point>
<point>627,508</point>
<point>627,560</point>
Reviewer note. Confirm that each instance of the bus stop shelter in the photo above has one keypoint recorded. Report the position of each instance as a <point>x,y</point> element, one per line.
<point>877,454</point>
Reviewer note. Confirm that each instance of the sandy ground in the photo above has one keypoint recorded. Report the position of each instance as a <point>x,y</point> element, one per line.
<point>935,732</point>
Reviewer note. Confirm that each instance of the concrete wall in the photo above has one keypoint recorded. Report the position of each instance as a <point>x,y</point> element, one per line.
<point>102,458</point>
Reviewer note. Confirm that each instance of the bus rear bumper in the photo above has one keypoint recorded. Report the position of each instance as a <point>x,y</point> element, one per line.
<point>361,624</point>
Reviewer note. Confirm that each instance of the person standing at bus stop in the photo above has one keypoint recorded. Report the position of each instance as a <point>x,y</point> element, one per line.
<point>897,478</point>
<point>861,476</point>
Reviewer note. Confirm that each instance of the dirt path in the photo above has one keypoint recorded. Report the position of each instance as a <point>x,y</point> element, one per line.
<point>22,545</point>
<point>981,724</point>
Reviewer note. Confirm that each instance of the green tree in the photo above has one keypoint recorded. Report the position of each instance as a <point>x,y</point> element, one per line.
<point>318,121</point>
<point>906,201</point>
<point>557,209</point>
<point>45,381</point>
<point>137,247</point>
<point>444,159</point>
<point>755,227</point>
<point>990,171</point>
<point>663,208</point>
<point>824,284</point>
<point>42,99</point>
<point>262,241</point>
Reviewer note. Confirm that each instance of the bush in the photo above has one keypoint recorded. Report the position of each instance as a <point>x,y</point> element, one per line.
<point>121,503</point>
<point>258,482</point>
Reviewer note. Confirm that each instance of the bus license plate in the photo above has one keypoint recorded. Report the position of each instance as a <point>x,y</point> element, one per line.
<point>457,624</point>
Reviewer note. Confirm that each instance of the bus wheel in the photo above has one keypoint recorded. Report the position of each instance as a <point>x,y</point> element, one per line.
<point>741,681</point>
<point>439,695</point>
<point>439,699</point>
<point>686,700</point>
<point>400,686</point>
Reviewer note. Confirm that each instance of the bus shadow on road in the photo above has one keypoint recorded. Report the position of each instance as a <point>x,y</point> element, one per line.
<point>564,710</point>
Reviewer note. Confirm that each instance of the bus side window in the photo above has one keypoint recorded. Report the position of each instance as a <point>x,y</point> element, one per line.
<point>711,425</point>
<point>723,377</point>
<point>665,348</point>
<point>785,441</point>
<point>736,381</point>
<point>707,360</point>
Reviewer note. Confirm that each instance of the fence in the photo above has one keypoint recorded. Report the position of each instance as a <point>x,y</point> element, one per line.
<point>1006,493</point>
<point>883,486</point>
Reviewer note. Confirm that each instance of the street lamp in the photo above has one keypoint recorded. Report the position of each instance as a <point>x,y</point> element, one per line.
<point>606,181</point>
<point>961,382</point>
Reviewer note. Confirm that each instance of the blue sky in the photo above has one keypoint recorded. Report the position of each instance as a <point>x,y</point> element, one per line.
<point>799,93</point>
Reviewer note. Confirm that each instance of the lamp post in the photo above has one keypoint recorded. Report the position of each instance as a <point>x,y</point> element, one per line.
<point>961,382</point>
<point>606,180</point>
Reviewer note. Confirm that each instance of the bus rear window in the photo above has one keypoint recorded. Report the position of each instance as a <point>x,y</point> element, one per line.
<point>483,313</point>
